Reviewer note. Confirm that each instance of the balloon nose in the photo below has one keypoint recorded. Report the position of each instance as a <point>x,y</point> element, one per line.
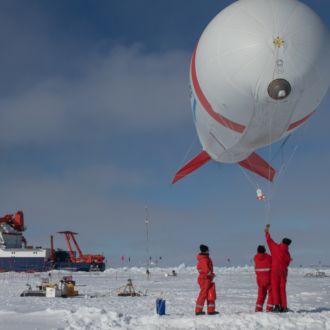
<point>279,89</point>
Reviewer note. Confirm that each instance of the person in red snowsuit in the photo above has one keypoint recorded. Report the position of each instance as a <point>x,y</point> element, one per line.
<point>205,281</point>
<point>262,267</point>
<point>280,262</point>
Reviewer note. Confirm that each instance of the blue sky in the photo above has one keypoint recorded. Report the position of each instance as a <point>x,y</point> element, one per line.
<point>96,120</point>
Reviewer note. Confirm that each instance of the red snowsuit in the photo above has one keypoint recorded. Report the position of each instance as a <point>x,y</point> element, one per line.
<point>280,261</point>
<point>262,266</point>
<point>205,281</point>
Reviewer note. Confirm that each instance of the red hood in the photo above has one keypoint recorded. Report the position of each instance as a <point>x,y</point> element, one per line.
<point>202,256</point>
<point>261,256</point>
<point>284,247</point>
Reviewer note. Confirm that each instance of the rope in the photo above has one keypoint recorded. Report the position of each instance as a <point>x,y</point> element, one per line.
<point>284,167</point>
<point>249,178</point>
<point>184,158</point>
<point>280,149</point>
<point>269,193</point>
<point>188,151</point>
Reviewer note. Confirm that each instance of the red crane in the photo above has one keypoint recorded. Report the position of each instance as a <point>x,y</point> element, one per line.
<point>88,258</point>
<point>15,221</point>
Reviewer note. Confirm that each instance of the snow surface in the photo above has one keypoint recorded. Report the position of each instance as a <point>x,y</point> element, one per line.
<point>309,298</point>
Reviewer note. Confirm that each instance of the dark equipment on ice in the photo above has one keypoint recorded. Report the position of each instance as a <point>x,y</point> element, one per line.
<point>65,289</point>
<point>41,289</point>
<point>172,273</point>
<point>316,274</point>
<point>128,290</point>
<point>33,293</point>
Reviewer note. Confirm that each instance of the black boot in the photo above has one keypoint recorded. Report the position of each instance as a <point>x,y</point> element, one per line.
<point>199,313</point>
<point>277,309</point>
<point>213,313</point>
<point>285,310</point>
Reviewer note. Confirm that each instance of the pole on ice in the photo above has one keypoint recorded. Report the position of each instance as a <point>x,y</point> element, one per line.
<point>147,242</point>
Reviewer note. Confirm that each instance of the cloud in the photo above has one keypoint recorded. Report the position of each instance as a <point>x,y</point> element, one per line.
<point>84,199</point>
<point>124,91</point>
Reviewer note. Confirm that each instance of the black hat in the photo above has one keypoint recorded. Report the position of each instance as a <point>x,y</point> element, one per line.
<point>286,241</point>
<point>204,248</point>
<point>261,249</point>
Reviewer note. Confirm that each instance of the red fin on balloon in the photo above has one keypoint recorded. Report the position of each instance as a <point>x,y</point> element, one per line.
<point>202,158</point>
<point>256,164</point>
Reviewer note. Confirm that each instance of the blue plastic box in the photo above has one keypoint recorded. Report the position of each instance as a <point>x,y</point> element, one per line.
<point>160,306</point>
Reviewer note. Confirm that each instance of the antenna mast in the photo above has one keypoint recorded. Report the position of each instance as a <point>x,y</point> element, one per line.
<point>147,236</point>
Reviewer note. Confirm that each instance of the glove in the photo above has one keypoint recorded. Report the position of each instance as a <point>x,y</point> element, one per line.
<point>211,276</point>
<point>267,228</point>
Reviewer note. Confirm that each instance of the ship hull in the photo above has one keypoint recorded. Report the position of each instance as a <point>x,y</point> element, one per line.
<point>24,264</point>
<point>31,265</point>
<point>79,267</point>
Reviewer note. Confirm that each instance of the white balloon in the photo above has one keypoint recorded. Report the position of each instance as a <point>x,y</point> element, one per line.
<point>259,71</point>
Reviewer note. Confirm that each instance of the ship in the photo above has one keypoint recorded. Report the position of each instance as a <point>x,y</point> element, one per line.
<point>16,255</point>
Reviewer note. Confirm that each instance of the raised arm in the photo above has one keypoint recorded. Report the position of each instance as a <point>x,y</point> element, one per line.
<point>271,244</point>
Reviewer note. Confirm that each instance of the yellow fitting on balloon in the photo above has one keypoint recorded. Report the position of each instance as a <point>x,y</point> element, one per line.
<point>278,42</point>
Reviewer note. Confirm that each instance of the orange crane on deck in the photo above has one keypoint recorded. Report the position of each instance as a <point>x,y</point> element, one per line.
<point>15,221</point>
<point>92,259</point>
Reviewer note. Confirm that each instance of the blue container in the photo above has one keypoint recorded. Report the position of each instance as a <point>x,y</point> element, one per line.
<point>160,306</point>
